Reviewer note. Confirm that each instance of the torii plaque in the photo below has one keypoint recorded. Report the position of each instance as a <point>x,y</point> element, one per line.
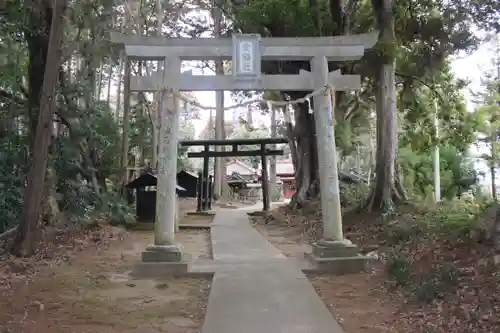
<point>246,57</point>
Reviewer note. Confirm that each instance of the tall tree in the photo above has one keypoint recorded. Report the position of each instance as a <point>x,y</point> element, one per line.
<point>219,172</point>
<point>385,189</point>
<point>304,19</point>
<point>488,116</point>
<point>154,112</point>
<point>45,14</point>
<point>419,35</point>
<point>132,13</point>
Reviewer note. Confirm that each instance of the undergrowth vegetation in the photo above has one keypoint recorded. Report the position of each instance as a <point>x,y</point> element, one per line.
<point>76,199</point>
<point>439,261</point>
<point>427,249</point>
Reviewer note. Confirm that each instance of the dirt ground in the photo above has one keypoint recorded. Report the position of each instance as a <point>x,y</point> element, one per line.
<point>357,301</point>
<point>196,220</point>
<point>289,240</point>
<point>85,287</point>
<point>196,243</point>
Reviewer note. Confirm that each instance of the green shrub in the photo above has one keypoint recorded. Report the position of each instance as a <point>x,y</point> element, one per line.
<point>11,182</point>
<point>425,286</point>
<point>427,290</point>
<point>402,232</point>
<point>11,202</point>
<point>398,268</point>
<point>353,195</point>
<point>77,198</point>
<point>120,212</point>
<point>436,283</point>
<point>454,219</point>
<point>457,172</point>
<point>409,263</point>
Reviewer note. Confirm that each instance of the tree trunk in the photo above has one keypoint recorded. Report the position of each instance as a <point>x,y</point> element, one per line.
<point>91,78</point>
<point>306,167</point>
<point>304,150</point>
<point>119,88</point>
<point>492,167</point>
<point>385,192</point>
<point>126,123</point>
<point>99,82</point>
<point>153,115</point>
<point>220,162</point>
<point>110,80</point>
<point>272,174</point>
<point>291,136</point>
<point>24,243</point>
<point>371,146</point>
<point>155,110</point>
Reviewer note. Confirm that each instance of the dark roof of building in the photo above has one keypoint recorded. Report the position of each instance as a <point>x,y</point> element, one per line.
<point>192,174</point>
<point>148,179</point>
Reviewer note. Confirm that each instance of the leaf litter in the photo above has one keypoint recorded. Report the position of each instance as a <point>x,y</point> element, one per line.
<point>373,302</point>
<point>78,281</point>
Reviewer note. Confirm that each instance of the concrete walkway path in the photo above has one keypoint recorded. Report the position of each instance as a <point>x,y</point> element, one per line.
<point>256,289</point>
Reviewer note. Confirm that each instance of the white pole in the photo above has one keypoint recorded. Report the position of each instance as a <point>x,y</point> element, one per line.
<point>167,171</point>
<point>358,162</point>
<point>219,162</point>
<point>437,175</point>
<point>273,158</point>
<point>327,155</point>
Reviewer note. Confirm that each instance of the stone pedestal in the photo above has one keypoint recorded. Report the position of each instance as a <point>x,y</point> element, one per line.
<point>334,249</point>
<point>203,213</point>
<point>177,209</point>
<point>338,257</point>
<point>162,253</point>
<point>143,226</point>
<point>160,261</point>
<point>258,213</point>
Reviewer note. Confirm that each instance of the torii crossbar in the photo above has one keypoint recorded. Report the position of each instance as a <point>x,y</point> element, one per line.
<point>335,48</point>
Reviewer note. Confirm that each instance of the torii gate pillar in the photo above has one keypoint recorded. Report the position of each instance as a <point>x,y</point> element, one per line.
<point>165,250</point>
<point>332,252</point>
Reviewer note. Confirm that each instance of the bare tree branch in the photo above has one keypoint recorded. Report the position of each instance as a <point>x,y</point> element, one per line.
<point>428,85</point>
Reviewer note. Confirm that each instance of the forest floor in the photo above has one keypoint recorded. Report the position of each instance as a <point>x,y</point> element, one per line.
<point>389,299</point>
<point>81,284</point>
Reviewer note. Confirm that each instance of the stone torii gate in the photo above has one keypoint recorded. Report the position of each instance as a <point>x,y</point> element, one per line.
<point>246,52</point>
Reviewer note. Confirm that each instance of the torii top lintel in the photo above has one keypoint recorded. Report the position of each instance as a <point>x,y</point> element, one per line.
<point>335,48</point>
